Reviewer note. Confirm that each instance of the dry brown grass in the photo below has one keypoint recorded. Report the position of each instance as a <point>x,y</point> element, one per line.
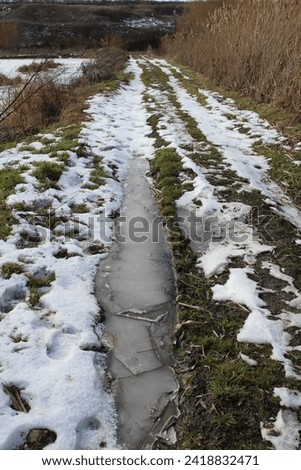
<point>37,105</point>
<point>7,81</point>
<point>38,66</point>
<point>105,64</point>
<point>252,46</point>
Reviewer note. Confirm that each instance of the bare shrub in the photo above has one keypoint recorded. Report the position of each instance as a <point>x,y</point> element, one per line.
<point>37,105</point>
<point>106,63</point>
<point>253,46</point>
<point>41,100</point>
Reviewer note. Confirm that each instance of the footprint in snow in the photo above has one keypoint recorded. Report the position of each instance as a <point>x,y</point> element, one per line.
<point>86,433</point>
<point>60,346</point>
<point>13,293</point>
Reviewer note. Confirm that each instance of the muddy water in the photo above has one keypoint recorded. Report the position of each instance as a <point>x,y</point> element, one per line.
<point>135,288</point>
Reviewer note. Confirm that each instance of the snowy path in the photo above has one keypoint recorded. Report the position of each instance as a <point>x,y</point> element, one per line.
<point>53,365</point>
<point>135,285</point>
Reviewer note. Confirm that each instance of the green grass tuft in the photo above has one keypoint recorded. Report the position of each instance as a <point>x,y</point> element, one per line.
<point>8,269</point>
<point>98,174</point>
<point>48,174</point>
<point>37,286</point>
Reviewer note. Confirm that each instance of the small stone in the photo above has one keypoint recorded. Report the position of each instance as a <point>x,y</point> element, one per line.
<point>37,439</point>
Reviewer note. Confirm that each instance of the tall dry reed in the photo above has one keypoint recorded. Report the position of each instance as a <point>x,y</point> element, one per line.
<point>253,46</point>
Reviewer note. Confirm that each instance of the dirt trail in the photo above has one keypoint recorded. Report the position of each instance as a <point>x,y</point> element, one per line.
<point>224,192</point>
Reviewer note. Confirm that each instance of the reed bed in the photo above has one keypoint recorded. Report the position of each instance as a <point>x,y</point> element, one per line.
<point>251,46</point>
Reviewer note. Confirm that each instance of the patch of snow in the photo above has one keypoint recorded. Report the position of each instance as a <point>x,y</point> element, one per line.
<point>259,329</point>
<point>223,231</point>
<point>276,272</point>
<point>248,360</point>
<point>291,289</point>
<point>289,398</point>
<point>148,22</point>
<point>284,433</point>
<point>247,294</point>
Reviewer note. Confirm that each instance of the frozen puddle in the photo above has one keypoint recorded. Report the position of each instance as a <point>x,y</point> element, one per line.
<point>135,288</point>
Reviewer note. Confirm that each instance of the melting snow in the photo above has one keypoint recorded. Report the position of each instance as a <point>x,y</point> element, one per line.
<point>284,432</point>
<point>247,294</point>
<point>148,23</point>
<point>50,352</point>
<point>68,68</point>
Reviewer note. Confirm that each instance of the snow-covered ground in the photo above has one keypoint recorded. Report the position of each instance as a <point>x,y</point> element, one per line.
<point>68,68</point>
<point>52,352</point>
<point>143,23</point>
